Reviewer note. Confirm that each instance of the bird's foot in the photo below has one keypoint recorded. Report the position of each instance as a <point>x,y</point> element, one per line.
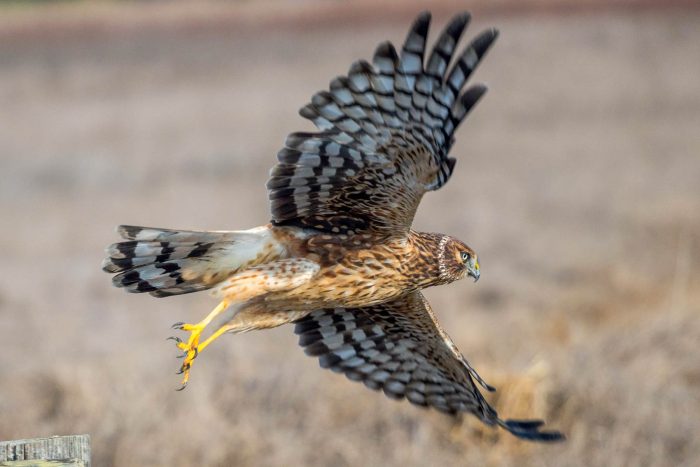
<point>190,348</point>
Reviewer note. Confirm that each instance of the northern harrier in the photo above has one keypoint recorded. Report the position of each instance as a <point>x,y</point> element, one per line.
<point>339,257</point>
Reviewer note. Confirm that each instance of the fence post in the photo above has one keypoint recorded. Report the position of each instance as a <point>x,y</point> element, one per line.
<point>56,451</point>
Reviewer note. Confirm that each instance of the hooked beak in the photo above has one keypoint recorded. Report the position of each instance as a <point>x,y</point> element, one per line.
<point>473,271</point>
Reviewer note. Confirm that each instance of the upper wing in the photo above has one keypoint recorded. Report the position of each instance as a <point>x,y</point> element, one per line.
<point>400,348</point>
<point>386,130</point>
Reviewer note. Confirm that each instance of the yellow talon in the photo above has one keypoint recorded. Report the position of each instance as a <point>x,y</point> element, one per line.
<point>192,346</point>
<point>191,350</point>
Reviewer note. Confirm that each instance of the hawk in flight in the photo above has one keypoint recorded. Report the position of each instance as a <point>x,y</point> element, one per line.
<point>339,258</point>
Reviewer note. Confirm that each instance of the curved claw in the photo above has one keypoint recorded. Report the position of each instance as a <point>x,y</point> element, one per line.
<point>184,385</point>
<point>173,338</point>
<point>189,347</point>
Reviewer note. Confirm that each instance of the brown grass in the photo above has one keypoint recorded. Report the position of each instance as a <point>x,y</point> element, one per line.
<point>577,183</point>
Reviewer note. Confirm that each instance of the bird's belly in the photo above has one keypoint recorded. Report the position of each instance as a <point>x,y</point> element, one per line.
<point>339,286</point>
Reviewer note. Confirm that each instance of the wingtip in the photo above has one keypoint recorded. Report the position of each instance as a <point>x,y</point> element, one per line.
<point>530,430</point>
<point>484,40</point>
<point>422,22</point>
<point>463,16</point>
<point>472,96</point>
<point>423,16</point>
<point>480,88</point>
<point>459,21</point>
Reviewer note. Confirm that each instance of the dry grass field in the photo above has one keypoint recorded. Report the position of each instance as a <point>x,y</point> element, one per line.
<point>578,183</point>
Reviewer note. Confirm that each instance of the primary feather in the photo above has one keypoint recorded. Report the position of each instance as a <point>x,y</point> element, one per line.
<point>386,130</point>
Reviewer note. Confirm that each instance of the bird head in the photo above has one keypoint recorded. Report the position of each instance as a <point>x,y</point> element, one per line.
<point>457,260</point>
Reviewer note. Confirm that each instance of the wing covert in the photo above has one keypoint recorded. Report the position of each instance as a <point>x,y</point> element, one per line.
<point>385,132</point>
<point>399,347</point>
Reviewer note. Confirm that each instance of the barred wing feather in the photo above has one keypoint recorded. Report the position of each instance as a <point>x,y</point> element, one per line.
<point>399,347</point>
<point>385,133</point>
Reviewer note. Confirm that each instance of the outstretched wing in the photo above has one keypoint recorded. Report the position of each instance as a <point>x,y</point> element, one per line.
<point>386,130</point>
<point>400,348</point>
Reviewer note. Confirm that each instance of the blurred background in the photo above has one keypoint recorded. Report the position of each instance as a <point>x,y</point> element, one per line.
<point>578,183</point>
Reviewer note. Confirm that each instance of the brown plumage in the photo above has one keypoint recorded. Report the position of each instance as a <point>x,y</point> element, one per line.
<point>339,257</point>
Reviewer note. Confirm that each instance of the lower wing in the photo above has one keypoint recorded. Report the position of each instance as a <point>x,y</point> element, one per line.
<point>400,348</point>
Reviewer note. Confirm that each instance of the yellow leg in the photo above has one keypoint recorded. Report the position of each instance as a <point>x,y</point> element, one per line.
<point>222,330</point>
<point>191,348</point>
<point>248,320</point>
<point>245,320</point>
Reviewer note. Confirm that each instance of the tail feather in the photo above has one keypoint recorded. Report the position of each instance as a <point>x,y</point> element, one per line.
<point>132,232</point>
<point>166,262</point>
<point>165,251</point>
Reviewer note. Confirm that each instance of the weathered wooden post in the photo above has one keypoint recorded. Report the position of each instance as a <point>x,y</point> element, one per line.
<point>56,451</point>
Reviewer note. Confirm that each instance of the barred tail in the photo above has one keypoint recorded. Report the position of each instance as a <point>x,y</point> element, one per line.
<point>167,262</point>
